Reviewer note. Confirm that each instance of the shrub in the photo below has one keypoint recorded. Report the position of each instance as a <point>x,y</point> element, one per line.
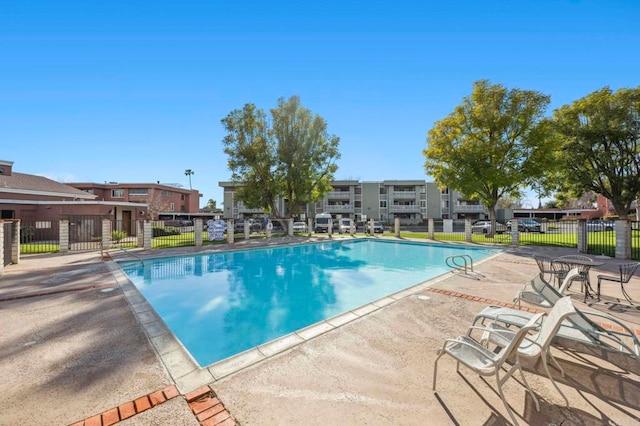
<point>116,236</point>
<point>163,232</point>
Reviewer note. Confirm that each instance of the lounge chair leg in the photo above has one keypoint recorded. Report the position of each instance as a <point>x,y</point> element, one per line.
<point>526,384</point>
<point>504,400</point>
<point>546,368</point>
<point>435,370</point>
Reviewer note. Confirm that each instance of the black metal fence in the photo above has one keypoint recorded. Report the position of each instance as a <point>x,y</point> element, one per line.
<point>166,234</point>
<point>39,237</point>
<point>85,232</point>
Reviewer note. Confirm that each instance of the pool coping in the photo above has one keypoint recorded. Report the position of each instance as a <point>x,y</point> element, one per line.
<point>188,375</point>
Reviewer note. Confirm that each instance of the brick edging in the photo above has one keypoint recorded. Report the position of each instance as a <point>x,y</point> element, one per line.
<point>203,402</point>
<point>131,408</point>
<point>606,325</point>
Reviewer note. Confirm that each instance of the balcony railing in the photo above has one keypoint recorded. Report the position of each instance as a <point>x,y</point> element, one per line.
<point>338,194</point>
<point>338,208</point>
<point>404,208</point>
<point>469,208</point>
<point>242,209</point>
<point>404,195</point>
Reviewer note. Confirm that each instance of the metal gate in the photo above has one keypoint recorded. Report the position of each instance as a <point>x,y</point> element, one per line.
<point>8,242</point>
<point>85,232</point>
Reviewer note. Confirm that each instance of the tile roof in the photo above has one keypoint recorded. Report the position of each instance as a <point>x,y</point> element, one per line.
<point>25,184</point>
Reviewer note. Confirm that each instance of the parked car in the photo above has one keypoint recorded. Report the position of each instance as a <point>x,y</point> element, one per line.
<point>600,225</point>
<point>484,227</point>
<point>299,227</point>
<point>254,226</point>
<point>344,225</point>
<point>377,227</point>
<point>527,225</point>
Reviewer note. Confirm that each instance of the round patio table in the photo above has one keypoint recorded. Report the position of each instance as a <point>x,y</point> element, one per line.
<point>583,265</point>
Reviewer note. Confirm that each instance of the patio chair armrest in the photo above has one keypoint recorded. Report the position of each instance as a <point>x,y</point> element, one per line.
<point>613,320</point>
<point>524,317</point>
<point>475,347</point>
<point>613,334</point>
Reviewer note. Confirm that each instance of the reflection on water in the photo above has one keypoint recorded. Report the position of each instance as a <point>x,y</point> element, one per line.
<point>220,304</point>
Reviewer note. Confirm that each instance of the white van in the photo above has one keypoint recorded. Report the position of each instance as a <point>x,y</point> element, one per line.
<point>322,222</point>
<point>344,225</point>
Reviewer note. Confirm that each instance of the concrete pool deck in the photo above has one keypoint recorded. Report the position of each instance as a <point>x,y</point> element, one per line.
<point>75,348</point>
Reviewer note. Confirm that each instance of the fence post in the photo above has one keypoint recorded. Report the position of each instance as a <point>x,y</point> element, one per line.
<point>147,234</point>
<point>64,236</point>
<point>106,233</point>
<point>15,242</point>
<point>581,230</point>
<point>230,232</point>
<point>290,227</point>
<point>515,235</point>
<point>310,225</point>
<point>140,233</point>
<point>623,239</point>
<point>430,229</point>
<point>467,230</point>
<point>197,229</point>
<point>396,226</point>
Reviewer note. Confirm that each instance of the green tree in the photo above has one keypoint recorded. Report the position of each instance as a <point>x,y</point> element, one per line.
<point>293,158</point>
<point>211,204</point>
<point>491,145</point>
<point>598,138</point>
<point>189,173</point>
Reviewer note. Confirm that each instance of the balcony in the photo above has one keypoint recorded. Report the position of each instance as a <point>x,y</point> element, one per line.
<point>411,208</point>
<point>338,208</point>
<point>240,208</point>
<point>341,195</point>
<point>469,208</point>
<point>404,195</point>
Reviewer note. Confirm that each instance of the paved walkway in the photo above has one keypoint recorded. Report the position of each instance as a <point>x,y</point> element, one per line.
<point>73,352</point>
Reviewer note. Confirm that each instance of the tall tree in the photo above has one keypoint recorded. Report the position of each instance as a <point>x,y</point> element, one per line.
<point>491,145</point>
<point>293,158</point>
<point>599,137</point>
<point>189,172</point>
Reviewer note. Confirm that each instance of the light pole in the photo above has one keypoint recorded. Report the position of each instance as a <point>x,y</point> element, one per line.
<point>189,172</point>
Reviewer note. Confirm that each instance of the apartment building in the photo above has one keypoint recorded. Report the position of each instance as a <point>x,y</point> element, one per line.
<point>159,200</point>
<point>411,201</point>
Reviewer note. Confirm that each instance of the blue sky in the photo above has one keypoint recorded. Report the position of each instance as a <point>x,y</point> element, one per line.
<point>134,91</point>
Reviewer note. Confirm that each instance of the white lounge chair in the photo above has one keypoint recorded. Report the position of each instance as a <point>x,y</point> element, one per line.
<point>478,358</point>
<point>580,327</point>
<point>537,344</point>
<point>538,286</point>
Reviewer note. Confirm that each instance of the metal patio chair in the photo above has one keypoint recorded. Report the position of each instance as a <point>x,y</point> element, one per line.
<point>481,360</point>
<point>537,344</point>
<point>584,327</point>
<point>626,272</point>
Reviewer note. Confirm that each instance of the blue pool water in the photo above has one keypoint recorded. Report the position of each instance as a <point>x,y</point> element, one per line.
<point>221,304</point>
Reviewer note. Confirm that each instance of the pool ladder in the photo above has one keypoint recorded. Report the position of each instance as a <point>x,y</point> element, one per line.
<point>463,263</point>
<point>123,249</point>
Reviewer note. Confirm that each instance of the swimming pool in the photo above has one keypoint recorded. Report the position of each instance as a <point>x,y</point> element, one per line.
<point>223,303</point>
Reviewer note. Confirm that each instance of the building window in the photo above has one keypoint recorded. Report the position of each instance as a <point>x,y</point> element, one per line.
<point>167,193</point>
<point>1,170</point>
<point>182,197</point>
<point>383,204</point>
<point>138,192</point>
<point>117,193</point>
<point>89,191</point>
<point>423,204</point>
<point>172,207</point>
